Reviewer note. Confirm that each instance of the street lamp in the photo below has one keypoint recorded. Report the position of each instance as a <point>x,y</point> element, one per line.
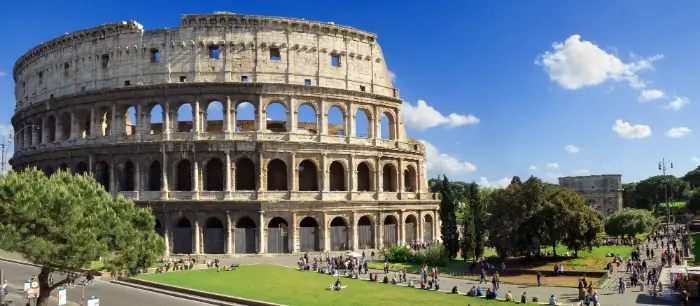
<point>662,166</point>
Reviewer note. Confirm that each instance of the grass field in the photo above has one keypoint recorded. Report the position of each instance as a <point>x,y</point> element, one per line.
<point>291,287</point>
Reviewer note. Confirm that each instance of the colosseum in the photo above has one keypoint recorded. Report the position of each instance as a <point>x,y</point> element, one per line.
<point>109,101</point>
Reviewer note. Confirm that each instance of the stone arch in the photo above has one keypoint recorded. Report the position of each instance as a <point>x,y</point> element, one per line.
<point>309,235</point>
<point>389,123</point>
<point>80,168</point>
<point>337,177</point>
<point>27,132</point>
<point>183,175</point>
<point>82,116</point>
<point>104,115</point>
<point>277,235</point>
<point>391,230</point>
<point>277,175</point>
<point>155,176</point>
<point>48,170</point>
<point>102,174</point>
<point>365,232</point>
<point>245,174</point>
<point>51,129</point>
<point>364,177</point>
<point>64,123</point>
<point>214,116</point>
<point>369,132</point>
<point>333,112</point>
<point>410,178</point>
<point>160,230</point>
<point>307,109</point>
<point>339,234</point>
<point>153,119</point>
<point>128,126</point>
<point>214,236</point>
<point>182,125</point>
<point>389,177</point>
<point>214,178</point>
<point>127,177</point>
<point>308,176</point>
<point>245,235</point>
<point>244,109</point>
<point>276,126</point>
<point>428,228</point>
<point>182,236</point>
<point>411,229</point>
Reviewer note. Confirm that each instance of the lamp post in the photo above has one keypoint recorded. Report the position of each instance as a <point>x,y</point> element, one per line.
<point>9,140</point>
<point>662,166</point>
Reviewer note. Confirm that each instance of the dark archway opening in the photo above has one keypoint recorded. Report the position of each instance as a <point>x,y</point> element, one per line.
<point>364,180</point>
<point>308,235</point>
<point>337,177</point>
<point>277,175</point>
<point>214,236</point>
<point>245,174</point>
<point>214,177</point>
<point>154,176</point>
<point>308,179</point>
<point>184,176</point>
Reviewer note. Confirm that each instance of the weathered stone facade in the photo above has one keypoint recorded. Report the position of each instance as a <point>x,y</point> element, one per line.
<point>231,186</point>
<point>602,192</point>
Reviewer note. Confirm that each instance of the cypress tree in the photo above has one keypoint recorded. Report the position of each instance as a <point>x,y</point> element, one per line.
<point>448,217</point>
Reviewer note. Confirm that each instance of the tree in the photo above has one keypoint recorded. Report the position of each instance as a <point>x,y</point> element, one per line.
<point>448,217</point>
<point>64,222</point>
<point>466,241</point>
<point>628,196</point>
<point>693,204</point>
<point>693,178</point>
<point>652,190</point>
<point>478,211</point>
<point>629,222</point>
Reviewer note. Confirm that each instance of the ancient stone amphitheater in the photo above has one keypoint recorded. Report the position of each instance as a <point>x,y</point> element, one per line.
<point>106,101</point>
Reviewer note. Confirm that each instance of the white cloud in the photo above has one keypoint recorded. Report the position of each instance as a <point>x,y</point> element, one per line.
<point>502,183</point>
<point>244,105</point>
<point>392,75</point>
<point>572,149</point>
<point>576,63</point>
<point>696,160</point>
<point>532,168</point>
<point>582,172</point>
<point>650,94</point>
<point>678,103</point>
<point>3,73</point>
<point>628,131</point>
<point>423,116</point>
<point>553,166</point>
<point>440,163</point>
<point>678,132</point>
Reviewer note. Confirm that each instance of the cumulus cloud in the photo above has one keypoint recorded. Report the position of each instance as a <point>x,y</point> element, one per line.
<point>440,163</point>
<point>3,73</point>
<point>502,183</point>
<point>392,75</point>
<point>576,63</point>
<point>650,94</point>
<point>572,149</point>
<point>628,131</point>
<point>678,132</point>
<point>553,166</point>
<point>582,172</point>
<point>423,116</point>
<point>678,103</point>
<point>532,168</point>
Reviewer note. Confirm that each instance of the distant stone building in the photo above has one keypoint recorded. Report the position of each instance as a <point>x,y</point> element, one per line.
<point>602,192</point>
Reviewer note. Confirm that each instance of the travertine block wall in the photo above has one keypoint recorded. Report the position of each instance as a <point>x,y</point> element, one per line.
<point>602,192</point>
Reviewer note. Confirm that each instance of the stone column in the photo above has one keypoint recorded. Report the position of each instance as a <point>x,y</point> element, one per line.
<point>166,120</point>
<point>419,237</point>
<point>227,114</point>
<point>261,232</point>
<point>322,118</point>
<point>164,172</point>
<point>196,118</point>
<point>167,224</point>
<point>137,176</point>
<point>376,125</point>
<point>402,227</point>
<point>349,122</point>
<point>379,171</point>
<point>91,164</point>
<point>73,125</point>
<point>113,184</point>
<point>325,173</point>
<point>114,125</point>
<point>140,126</point>
<point>352,174</point>
<point>293,234</point>
<point>195,178</point>
<point>260,116</point>
<point>292,114</point>
<point>294,173</point>
<point>261,173</point>
<point>227,173</point>
<point>197,234</point>
<point>229,234</point>
<point>326,234</point>
<point>353,230</point>
<point>401,179</point>
<point>419,180</point>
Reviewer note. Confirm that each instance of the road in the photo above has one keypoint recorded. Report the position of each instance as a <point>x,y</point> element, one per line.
<point>108,293</point>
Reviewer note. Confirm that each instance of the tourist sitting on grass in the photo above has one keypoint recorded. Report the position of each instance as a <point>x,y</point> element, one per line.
<point>509,296</point>
<point>478,292</point>
<point>552,300</point>
<point>386,279</point>
<point>455,290</point>
<point>472,291</point>
<point>393,280</point>
<point>422,285</point>
<point>411,284</point>
<point>437,285</point>
<point>491,294</point>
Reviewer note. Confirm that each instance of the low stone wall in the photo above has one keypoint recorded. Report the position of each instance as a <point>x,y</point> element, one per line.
<point>204,294</point>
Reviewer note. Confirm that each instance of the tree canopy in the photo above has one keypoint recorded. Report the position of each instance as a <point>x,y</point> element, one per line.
<point>448,218</point>
<point>65,221</point>
<point>629,222</point>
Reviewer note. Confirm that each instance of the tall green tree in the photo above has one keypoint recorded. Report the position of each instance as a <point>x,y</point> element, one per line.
<point>693,204</point>
<point>466,242</point>
<point>448,218</point>
<point>64,222</point>
<point>478,211</point>
<point>693,178</point>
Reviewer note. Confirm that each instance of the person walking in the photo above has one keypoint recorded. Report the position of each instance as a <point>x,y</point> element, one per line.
<point>539,278</point>
<point>622,286</point>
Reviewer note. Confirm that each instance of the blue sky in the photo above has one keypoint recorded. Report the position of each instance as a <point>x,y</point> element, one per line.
<point>538,75</point>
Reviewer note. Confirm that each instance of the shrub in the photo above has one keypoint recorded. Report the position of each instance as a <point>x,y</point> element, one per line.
<point>435,255</point>
<point>398,254</point>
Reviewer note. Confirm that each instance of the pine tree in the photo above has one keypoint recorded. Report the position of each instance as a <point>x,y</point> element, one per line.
<point>448,217</point>
<point>478,213</point>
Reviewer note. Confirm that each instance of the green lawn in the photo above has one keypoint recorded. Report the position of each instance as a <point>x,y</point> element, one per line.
<point>695,244</point>
<point>291,287</point>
